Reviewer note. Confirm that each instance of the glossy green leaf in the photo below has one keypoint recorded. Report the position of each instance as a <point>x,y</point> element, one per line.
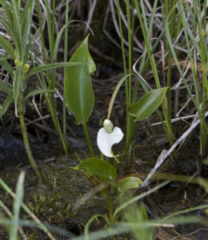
<point>78,90</point>
<point>36,92</point>
<point>98,167</point>
<point>148,103</point>
<point>128,183</point>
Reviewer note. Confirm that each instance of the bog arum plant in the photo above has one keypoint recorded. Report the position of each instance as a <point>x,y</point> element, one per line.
<point>78,91</point>
<point>108,136</point>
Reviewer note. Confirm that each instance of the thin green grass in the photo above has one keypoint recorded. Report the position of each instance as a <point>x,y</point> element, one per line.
<point>200,96</point>
<point>144,27</point>
<point>140,228</point>
<point>51,77</point>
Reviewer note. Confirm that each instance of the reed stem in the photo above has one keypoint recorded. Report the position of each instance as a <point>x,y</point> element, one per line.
<point>24,134</point>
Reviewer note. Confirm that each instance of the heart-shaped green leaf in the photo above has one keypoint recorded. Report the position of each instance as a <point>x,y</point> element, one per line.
<point>128,183</point>
<point>148,103</point>
<point>98,167</point>
<point>78,90</point>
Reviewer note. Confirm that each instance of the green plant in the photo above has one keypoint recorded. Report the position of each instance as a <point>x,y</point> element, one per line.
<point>148,50</point>
<point>80,100</point>
<point>196,45</point>
<point>181,42</point>
<point>50,81</point>
<point>79,96</point>
<point>18,25</point>
<point>140,229</point>
<point>78,90</point>
<point>15,222</point>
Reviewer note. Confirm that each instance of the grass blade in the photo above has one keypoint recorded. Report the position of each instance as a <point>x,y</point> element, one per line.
<point>16,87</point>
<point>132,200</point>
<point>7,67</point>
<point>17,23</point>
<point>36,92</point>
<point>16,206</point>
<point>50,66</point>
<point>7,11</point>
<point>25,34</point>
<point>6,104</point>
<point>5,87</point>
<point>7,46</point>
<point>10,31</point>
<point>58,38</point>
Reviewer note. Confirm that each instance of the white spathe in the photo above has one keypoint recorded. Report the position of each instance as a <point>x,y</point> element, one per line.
<point>106,140</point>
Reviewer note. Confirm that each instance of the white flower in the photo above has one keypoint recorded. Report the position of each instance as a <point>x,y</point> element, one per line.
<point>107,137</point>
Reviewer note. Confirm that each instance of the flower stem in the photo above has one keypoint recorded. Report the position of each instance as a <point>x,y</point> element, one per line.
<point>24,134</point>
<point>115,92</point>
<point>87,137</point>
